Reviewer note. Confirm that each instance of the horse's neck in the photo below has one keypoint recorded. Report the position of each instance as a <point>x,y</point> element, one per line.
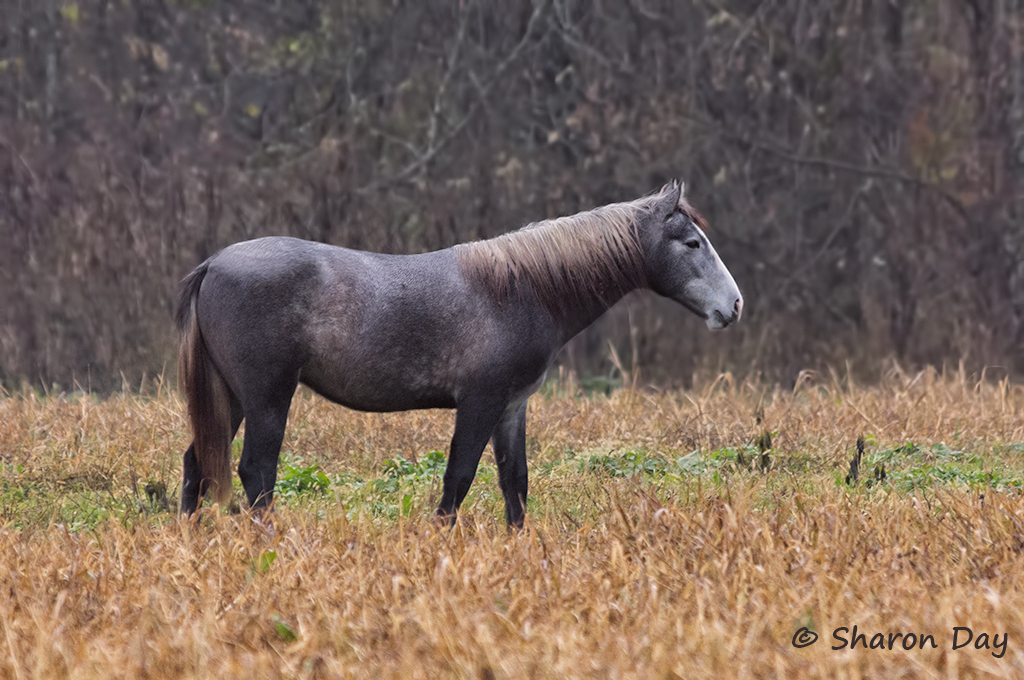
<point>582,315</point>
<point>588,308</point>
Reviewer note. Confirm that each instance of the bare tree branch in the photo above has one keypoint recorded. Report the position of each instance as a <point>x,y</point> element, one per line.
<point>453,60</point>
<point>432,151</point>
<point>834,164</point>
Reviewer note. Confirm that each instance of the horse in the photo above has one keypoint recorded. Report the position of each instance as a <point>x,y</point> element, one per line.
<point>473,327</point>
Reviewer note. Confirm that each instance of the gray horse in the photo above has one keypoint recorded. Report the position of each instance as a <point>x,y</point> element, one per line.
<point>474,327</point>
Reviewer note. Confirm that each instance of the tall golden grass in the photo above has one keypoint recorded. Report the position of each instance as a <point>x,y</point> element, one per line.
<point>687,576</point>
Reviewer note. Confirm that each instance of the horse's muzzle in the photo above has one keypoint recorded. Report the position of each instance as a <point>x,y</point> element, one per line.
<point>717,320</point>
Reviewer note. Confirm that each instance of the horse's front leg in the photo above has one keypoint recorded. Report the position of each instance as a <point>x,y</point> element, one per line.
<point>510,453</point>
<point>475,420</point>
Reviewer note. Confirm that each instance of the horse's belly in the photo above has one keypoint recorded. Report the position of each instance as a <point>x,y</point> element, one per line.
<point>377,391</point>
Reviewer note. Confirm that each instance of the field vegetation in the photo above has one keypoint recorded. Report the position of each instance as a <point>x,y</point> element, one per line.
<point>666,537</point>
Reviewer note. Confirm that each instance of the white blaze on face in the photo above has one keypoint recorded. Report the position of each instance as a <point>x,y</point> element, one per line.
<point>725,296</point>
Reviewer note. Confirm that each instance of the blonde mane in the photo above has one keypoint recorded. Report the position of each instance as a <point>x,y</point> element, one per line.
<point>567,260</point>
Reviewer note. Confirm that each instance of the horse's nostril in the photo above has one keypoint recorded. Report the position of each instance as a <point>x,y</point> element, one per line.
<point>738,306</point>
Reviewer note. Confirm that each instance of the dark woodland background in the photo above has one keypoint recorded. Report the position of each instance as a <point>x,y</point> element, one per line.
<point>861,163</point>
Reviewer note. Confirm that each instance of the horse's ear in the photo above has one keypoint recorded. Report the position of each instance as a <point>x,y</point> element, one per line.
<point>670,195</point>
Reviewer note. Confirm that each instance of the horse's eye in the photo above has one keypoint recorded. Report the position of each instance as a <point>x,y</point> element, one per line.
<point>693,243</point>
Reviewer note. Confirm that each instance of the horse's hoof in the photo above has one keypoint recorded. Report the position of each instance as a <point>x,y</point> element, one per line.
<point>445,520</point>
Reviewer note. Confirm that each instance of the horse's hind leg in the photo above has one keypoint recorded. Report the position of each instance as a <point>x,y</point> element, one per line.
<point>474,423</point>
<point>264,432</point>
<point>192,488</point>
<point>510,454</point>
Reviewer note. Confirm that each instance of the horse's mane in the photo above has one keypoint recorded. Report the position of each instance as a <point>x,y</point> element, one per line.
<point>567,260</point>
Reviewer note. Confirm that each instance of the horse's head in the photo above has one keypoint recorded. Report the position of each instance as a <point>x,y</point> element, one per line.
<point>683,265</point>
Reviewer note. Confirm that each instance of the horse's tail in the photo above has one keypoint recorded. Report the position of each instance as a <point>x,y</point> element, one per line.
<point>209,409</point>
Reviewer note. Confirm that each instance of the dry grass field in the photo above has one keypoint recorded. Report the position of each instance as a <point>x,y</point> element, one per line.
<point>660,541</point>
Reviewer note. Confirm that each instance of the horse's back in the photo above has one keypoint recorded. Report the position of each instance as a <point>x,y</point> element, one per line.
<point>370,331</point>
